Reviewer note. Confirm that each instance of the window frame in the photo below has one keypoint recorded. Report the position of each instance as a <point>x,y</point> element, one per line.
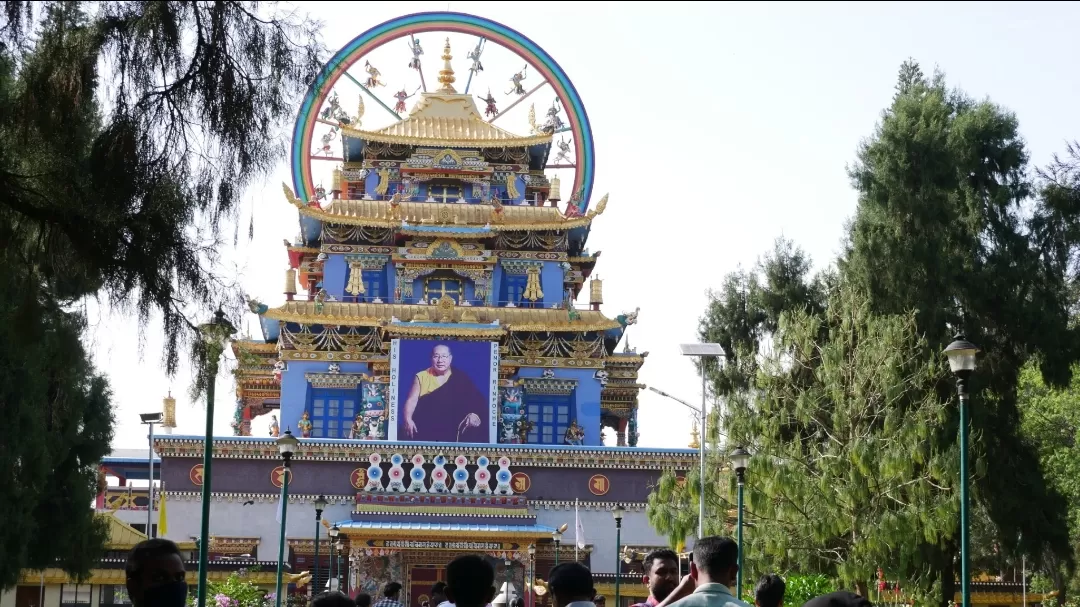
<point>320,424</point>
<point>561,405</point>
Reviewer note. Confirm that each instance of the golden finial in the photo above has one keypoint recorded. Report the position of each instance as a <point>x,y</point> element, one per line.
<point>694,438</point>
<point>446,74</point>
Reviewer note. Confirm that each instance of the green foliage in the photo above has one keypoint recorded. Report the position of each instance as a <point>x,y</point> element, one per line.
<point>798,589</point>
<point>236,591</point>
<point>837,382</point>
<point>128,133</point>
<point>947,226</point>
<point>846,476</point>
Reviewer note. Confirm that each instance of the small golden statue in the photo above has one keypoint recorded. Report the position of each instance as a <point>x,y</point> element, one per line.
<point>274,428</point>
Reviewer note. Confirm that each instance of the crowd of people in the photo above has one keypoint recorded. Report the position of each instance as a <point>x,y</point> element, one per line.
<point>156,578</point>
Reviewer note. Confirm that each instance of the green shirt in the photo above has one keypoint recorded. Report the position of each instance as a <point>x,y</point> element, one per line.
<point>710,595</point>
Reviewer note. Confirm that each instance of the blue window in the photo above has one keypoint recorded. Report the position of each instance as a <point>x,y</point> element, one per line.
<point>437,287</point>
<point>550,416</point>
<point>374,285</point>
<point>513,289</point>
<point>332,412</point>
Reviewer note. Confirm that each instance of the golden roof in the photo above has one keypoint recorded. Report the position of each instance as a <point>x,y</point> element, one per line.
<point>380,214</point>
<point>374,315</point>
<point>445,118</point>
<point>124,537</point>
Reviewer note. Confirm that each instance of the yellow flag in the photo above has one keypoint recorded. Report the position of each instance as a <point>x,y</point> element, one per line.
<point>162,521</point>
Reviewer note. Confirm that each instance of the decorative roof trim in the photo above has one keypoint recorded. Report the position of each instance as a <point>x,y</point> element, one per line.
<point>385,220</point>
<point>313,449</point>
<point>336,380</point>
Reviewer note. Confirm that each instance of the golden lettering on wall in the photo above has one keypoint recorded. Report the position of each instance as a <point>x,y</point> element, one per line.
<point>358,478</point>
<point>520,482</point>
<point>196,474</point>
<point>599,484</point>
<point>277,476</point>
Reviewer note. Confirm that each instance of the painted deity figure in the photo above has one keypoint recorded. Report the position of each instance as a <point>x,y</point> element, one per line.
<point>414,46</point>
<point>575,435</point>
<point>515,82</point>
<point>525,426</point>
<point>304,425</point>
<point>357,430</point>
<point>490,110</point>
<point>373,76</point>
<point>553,122</point>
<point>374,427</point>
<point>401,96</point>
<point>274,428</point>
<point>474,55</point>
<point>564,151</point>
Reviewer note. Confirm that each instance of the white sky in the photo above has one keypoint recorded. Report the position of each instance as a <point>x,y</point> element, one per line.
<point>718,127</point>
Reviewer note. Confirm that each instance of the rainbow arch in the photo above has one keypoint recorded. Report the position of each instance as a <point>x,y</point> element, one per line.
<point>362,45</point>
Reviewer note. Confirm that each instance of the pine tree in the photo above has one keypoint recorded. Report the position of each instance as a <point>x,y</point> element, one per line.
<point>128,133</point>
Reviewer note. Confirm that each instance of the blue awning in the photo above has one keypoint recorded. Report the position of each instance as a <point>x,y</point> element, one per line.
<point>463,527</point>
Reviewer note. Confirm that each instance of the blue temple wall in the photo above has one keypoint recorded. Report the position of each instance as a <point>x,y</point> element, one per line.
<point>370,183</point>
<point>586,398</point>
<point>335,273</point>
<point>294,387</point>
<point>551,282</point>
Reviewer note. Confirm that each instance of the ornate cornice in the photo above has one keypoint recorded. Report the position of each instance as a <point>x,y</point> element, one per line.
<point>549,385</point>
<point>315,449</point>
<point>336,380</point>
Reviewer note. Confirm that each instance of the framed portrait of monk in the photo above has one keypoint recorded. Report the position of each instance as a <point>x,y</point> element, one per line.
<point>444,391</point>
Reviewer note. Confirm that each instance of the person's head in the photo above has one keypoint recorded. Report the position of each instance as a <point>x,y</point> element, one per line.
<point>441,358</point>
<point>716,561</point>
<point>840,598</point>
<point>155,574</point>
<point>518,602</point>
<point>332,599</point>
<point>392,590</point>
<point>769,591</point>
<point>571,582</point>
<point>599,600</point>
<point>438,593</point>
<point>661,573</point>
<point>363,599</point>
<point>470,581</point>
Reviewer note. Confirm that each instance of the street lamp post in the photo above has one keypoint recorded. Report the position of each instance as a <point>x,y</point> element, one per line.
<point>214,335</point>
<point>341,563</point>
<point>286,446</point>
<point>740,460</point>
<point>702,351</point>
<point>532,574</point>
<point>333,533</point>
<point>618,512</point>
<point>961,353</point>
<point>150,419</point>
<point>557,536</point>
<point>320,505</point>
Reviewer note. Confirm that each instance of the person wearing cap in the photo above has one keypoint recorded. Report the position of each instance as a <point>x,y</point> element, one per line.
<point>713,571</point>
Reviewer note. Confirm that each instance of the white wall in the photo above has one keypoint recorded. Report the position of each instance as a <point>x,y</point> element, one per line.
<point>599,529</point>
<point>232,518</point>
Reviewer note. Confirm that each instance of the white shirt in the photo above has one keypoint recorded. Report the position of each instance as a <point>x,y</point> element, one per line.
<point>445,604</point>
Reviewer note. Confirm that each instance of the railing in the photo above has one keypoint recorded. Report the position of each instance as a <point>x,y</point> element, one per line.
<point>121,498</point>
<point>475,303</point>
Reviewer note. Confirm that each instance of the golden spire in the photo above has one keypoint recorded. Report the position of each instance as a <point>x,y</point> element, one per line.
<point>694,439</point>
<point>446,74</point>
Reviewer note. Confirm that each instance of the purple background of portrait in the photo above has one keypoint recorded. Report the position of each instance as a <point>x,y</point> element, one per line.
<point>473,358</point>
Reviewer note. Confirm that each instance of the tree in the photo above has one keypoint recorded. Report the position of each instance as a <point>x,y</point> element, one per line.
<point>947,225</point>
<point>741,317</point>
<point>128,132</point>
<point>1051,421</point>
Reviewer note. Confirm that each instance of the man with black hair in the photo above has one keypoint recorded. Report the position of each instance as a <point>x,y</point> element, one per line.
<point>155,574</point>
<point>470,581</point>
<point>840,598</point>
<point>661,569</point>
<point>712,572</point>
<point>769,591</point>
<point>332,599</point>
<point>571,585</point>
<point>391,592</point>
<point>362,599</point>
<point>438,594</point>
